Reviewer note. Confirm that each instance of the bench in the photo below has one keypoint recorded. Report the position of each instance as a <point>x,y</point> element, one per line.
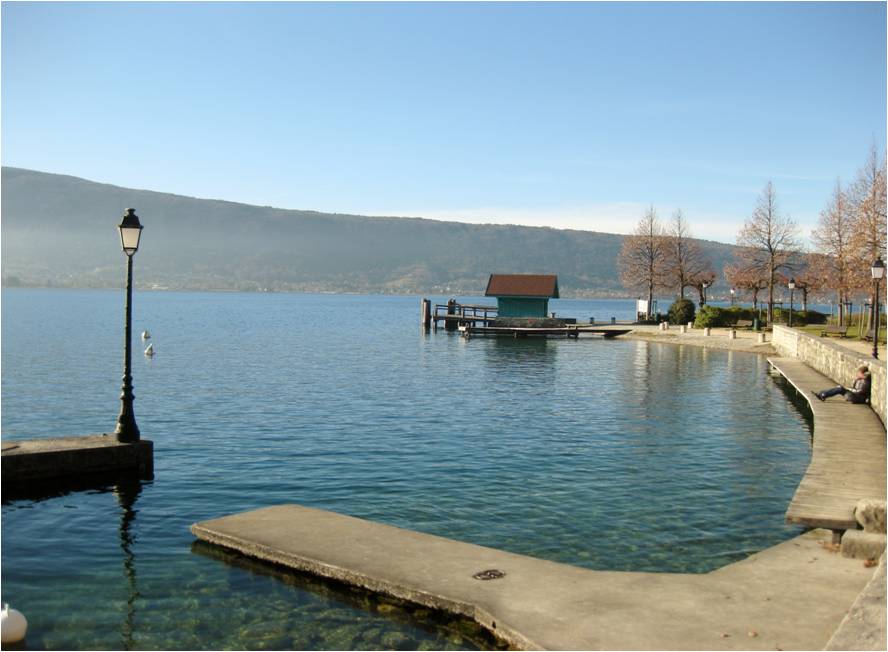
<point>841,331</point>
<point>870,334</point>
<point>743,323</point>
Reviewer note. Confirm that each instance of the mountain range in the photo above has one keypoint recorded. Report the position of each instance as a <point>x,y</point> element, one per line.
<point>60,231</point>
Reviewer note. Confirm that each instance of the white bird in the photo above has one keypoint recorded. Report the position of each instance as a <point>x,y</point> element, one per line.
<point>146,335</point>
<point>14,625</point>
<point>150,351</point>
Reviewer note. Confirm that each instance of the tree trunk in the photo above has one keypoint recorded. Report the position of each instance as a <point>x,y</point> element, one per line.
<point>650,305</point>
<point>771,299</point>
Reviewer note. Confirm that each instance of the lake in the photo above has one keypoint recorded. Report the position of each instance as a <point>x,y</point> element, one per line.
<point>622,455</point>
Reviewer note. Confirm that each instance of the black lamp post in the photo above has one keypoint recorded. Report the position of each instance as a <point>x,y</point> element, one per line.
<point>705,285</point>
<point>791,286</point>
<point>733,292</point>
<point>130,231</point>
<point>878,270</point>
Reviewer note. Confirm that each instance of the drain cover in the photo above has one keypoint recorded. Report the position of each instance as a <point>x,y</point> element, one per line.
<point>492,574</point>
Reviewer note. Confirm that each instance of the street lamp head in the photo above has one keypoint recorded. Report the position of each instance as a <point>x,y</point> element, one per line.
<point>733,290</point>
<point>130,232</point>
<point>878,269</point>
<point>791,284</point>
<point>705,284</point>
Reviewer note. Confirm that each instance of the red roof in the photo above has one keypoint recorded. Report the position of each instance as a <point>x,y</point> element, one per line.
<point>522,285</point>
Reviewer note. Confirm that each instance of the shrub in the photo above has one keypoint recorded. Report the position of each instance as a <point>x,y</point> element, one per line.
<point>681,312</point>
<point>735,313</point>
<point>710,317</point>
<point>799,317</point>
<point>713,316</point>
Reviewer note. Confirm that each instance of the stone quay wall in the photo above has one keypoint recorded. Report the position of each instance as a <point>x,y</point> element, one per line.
<point>832,360</point>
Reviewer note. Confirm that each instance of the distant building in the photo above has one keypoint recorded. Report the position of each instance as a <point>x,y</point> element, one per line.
<point>522,295</point>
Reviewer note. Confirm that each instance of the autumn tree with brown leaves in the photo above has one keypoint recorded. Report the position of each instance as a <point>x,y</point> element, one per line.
<point>770,241</point>
<point>643,256</point>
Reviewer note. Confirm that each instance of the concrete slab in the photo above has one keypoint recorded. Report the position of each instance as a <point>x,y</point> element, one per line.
<point>35,460</point>
<point>864,626</point>
<point>791,596</point>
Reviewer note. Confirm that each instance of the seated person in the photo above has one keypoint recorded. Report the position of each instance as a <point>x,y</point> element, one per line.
<point>859,392</point>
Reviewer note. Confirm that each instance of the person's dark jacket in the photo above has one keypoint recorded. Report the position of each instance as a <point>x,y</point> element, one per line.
<point>860,391</point>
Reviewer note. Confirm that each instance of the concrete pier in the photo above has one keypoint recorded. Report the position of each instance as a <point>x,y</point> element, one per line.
<point>791,596</point>
<point>847,458</point>
<point>37,460</point>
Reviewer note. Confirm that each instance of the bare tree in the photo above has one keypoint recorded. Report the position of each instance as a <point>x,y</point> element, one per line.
<point>868,243</point>
<point>685,264</point>
<point>832,237</point>
<point>771,240</point>
<point>642,258</point>
<point>744,276</point>
<point>700,282</point>
<point>812,276</point>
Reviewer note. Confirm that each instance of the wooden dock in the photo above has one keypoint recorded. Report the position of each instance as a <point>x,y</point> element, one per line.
<point>847,458</point>
<point>566,331</point>
<point>454,315</point>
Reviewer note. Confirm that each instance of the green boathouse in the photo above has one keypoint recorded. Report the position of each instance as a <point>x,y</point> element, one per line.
<point>522,295</point>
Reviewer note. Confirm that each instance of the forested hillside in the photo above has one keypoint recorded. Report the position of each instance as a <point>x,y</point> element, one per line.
<point>60,231</point>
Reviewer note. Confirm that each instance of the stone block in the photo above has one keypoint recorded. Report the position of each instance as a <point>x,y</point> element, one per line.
<point>858,544</point>
<point>870,513</point>
<point>706,331</point>
<point>732,334</point>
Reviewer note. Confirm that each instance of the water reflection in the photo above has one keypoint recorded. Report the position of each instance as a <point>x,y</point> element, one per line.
<point>127,492</point>
<point>528,361</point>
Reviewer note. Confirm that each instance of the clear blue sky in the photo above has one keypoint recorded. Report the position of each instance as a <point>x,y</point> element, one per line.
<point>565,115</point>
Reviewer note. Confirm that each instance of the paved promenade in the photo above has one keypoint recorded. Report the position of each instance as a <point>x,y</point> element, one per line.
<point>746,340</point>
<point>791,596</point>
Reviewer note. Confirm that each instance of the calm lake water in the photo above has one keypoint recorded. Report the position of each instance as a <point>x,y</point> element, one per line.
<point>606,454</point>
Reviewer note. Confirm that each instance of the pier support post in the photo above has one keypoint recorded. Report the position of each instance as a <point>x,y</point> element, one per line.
<point>451,324</point>
<point>425,313</point>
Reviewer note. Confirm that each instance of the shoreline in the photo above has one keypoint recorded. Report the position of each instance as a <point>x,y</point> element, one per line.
<point>746,341</point>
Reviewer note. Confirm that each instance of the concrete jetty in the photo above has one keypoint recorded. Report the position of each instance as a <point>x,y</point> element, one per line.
<point>847,458</point>
<point>791,596</point>
<point>37,460</point>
